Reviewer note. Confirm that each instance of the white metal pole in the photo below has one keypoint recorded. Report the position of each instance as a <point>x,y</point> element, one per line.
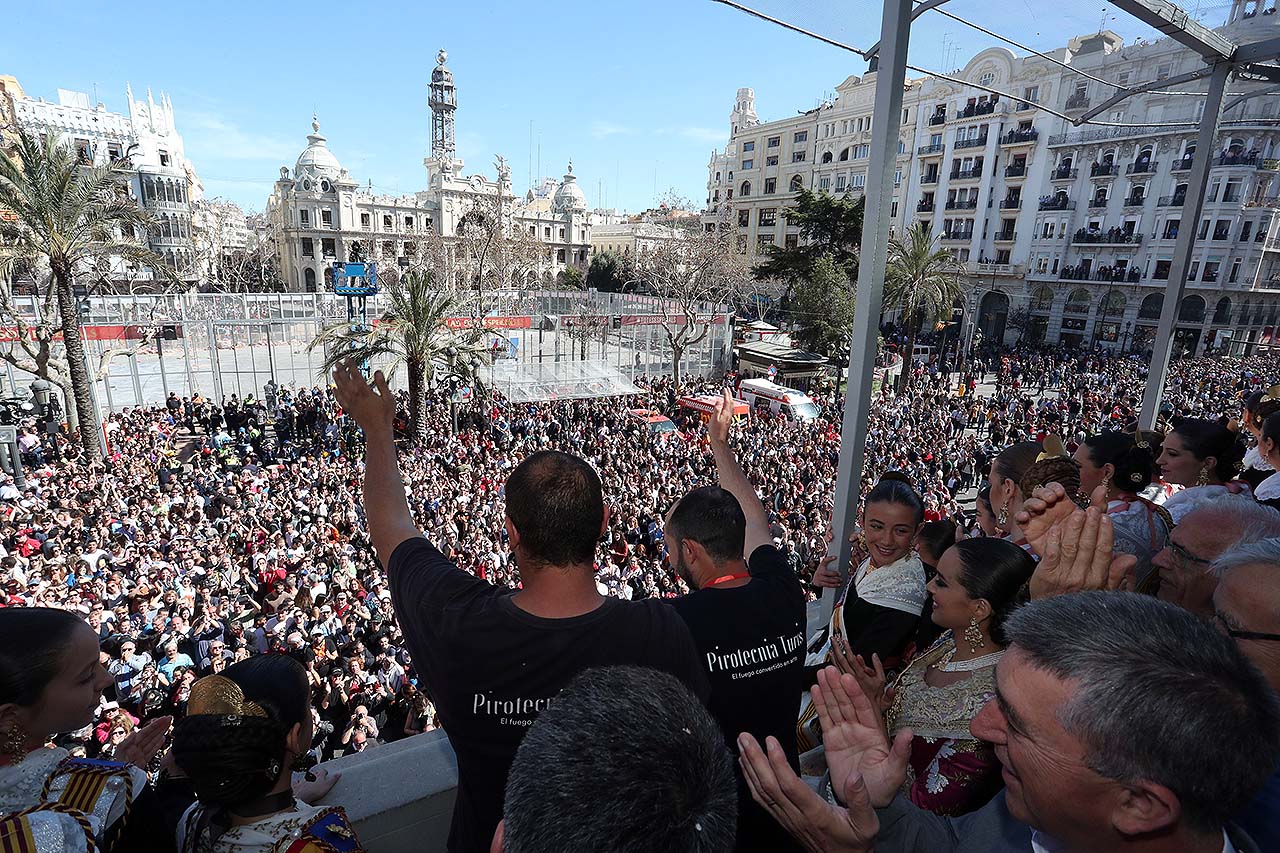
<point>1206,142</point>
<point>895,31</point>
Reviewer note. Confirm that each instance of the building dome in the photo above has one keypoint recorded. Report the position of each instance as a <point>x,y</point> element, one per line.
<point>317,161</point>
<point>570,196</point>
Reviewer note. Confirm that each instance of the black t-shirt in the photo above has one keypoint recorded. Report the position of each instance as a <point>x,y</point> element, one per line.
<point>751,642</point>
<point>491,667</point>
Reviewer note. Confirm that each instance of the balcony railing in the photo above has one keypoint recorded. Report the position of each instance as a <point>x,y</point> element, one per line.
<point>1238,160</point>
<point>937,119</point>
<point>1011,204</point>
<point>924,205</point>
<point>1024,106</point>
<point>995,269</point>
<point>974,142</point>
<point>1135,200</point>
<point>1017,137</point>
<point>985,108</point>
<point>1057,204</point>
<point>957,235</point>
<point>1103,170</point>
<point>929,178</point>
<point>1006,236</point>
<point>1077,102</point>
<point>962,204</point>
<point>1141,167</point>
<point>966,174</point>
<point>1061,174</point>
<point>924,150</point>
<point>1174,200</point>
<point>1015,170</point>
<point>1112,236</point>
<point>1097,202</point>
<point>1182,164</point>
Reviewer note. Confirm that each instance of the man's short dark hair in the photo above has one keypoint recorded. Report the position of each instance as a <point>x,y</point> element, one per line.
<point>1160,695</point>
<point>556,504</point>
<point>712,517</point>
<point>625,759</point>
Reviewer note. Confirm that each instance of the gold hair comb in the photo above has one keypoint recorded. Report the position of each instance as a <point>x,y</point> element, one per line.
<point>219,695</point>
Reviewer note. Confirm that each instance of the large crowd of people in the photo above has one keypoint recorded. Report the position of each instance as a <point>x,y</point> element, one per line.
<point>248,587</point>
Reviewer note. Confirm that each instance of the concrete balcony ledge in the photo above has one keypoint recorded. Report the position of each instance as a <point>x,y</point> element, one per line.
<point>399,795</point>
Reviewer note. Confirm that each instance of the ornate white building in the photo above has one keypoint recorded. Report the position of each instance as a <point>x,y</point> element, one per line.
<point>1067,233</point>
<point>323,215</point>
<point>160,177</point>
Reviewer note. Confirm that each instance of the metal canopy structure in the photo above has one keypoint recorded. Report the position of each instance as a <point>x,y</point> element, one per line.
<point>1223,60</point>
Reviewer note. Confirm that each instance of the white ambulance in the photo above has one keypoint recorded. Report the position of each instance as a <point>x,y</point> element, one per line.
<point>761,395</point>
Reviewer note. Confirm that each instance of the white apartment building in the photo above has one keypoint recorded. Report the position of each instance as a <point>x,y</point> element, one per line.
<point>631,239</point>
<point>1067,233</point>
<point>160,177</point>
<point>322,215</point>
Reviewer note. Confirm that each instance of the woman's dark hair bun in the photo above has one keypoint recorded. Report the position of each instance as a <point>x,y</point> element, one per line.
<point>898,476</point>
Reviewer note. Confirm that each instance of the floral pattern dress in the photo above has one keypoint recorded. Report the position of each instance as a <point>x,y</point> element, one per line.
<point>950,772</point>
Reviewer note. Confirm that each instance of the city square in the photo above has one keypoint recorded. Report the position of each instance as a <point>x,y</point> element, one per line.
<point>447,460</point>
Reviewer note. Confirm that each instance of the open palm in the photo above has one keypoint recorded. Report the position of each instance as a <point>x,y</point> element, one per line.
<point>854,740</point>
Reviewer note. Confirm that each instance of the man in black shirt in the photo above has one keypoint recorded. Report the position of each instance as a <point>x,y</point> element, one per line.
<point>747,618</point>
<point>490,659</point>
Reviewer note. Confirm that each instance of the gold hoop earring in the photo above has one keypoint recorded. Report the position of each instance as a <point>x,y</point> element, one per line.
<point>13,746</point>
<point>973,635</point>
<point>1203,479</point>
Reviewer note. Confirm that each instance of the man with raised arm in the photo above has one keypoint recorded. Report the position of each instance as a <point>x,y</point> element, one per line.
<point>747,615</point>
<point>492,659</point>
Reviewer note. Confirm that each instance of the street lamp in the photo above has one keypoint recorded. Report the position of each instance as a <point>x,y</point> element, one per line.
<point>1124,347</point>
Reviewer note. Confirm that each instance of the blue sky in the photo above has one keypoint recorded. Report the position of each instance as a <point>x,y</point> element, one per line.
<point>637,93</point>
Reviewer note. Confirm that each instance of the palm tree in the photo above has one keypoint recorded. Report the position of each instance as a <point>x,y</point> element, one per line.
<point>70,219</point>
<point>412,331</point>
<point>922,281</point>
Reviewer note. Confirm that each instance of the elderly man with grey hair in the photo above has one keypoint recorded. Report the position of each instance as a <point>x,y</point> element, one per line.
<point>1246,605</point>
<point>1123,724</point>
<point>1205,533</point>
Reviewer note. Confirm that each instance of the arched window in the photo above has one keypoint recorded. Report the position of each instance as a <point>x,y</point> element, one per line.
<point>1144,155</point>
<point>844,155</point>
<point>1236,146</point>
<point>1042,299</point>
<point>744,190</point>
<point>1108,156</point>
<point>1065,163</point>
<point>1259,314</point>
<point>1192,309</point>
<point>1222,313</point>
<point>797,183</point>
<point>826,156</point>
<point>1151,307</point>
<point>1244,314</point>
<point>1078,301</point>
<point>1112,305</point>
<point>309,279</point>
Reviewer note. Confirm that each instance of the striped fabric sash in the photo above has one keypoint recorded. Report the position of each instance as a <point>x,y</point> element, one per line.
<point>16,835</point>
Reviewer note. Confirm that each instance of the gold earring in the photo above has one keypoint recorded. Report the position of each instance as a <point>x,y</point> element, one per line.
<point>1002,517</point>
<point>1106,484</point>
<point>1203,479</point>
<point>973,635</point>
<point>14,741</point>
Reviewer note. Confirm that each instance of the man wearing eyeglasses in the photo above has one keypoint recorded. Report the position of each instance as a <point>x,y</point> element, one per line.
<point>1203,535</point>
<point>1246,605</point>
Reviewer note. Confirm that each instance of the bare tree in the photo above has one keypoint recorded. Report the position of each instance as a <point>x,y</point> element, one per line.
<point>695,272</point>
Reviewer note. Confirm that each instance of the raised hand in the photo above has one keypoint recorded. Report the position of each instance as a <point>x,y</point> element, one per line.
<point>141,746</point>
<point>721,420</point>
<point>1078,555</point>
<point>855,739</point>
<point>1047,505</point>
<point>372,411</point>
<point>827,575</point>
<point>818,825</point>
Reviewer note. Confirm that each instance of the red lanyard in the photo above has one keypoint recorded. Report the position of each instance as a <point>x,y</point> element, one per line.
<point>727,579</point>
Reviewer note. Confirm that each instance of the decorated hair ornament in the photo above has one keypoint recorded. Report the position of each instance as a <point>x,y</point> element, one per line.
<point>220,696</point>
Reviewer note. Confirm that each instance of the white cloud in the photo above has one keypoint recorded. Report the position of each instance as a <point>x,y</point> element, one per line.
<point>220,138</point>
<point>605,129</point>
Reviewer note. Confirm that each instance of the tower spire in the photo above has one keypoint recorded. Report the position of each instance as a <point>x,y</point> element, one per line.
<point>443,100</point>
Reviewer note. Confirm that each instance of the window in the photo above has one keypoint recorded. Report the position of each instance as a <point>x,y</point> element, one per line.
<point>1171,229</point>
<point>1235,271</point>
<point>546,232</point>
<point>824,183</point>
<point>826,157</point>
<point>1122,78</point>
<point>744,190</point>
<point>797,156</point>
<point>744,218</point>
<point>841,181</point>
<point>327,248</point>
<point>893,209</point>
<point>1031,94</point>
<point>771,160</point>
<point>1204,230</point>
<point>364,221</point>
<point>897,178</point>
<point>560,255</point>
<point>768,216</point>
<point>326,218</point>
<point>386,222</point>
<point>561,233</point>
<point>792,240</point>
<point>986,78</point>
<point>773,142</point>
<point>770,186</point>
<point>113,150</point>
<point>797,183</point>
<point>748,146</point>
<point>1246,230</point>
<point>859,181</point>
<point>801,136</point>
<point>748,164</point>
<point>408,223</point>
<point>304,218</point>
<point>1164,70</point>
<point>164,158</point>
<point>308,248</point>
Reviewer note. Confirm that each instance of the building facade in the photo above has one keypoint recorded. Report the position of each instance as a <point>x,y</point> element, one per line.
<point>147,144</point>
<point>320,214</point>
<point>1066,233</point>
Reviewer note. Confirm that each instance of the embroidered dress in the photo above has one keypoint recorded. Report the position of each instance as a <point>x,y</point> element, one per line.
<point>1142,529</point>
<point>302,829</point>
<point>1196,496</point>
<point>51,802</point>
<point>950,772</point>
